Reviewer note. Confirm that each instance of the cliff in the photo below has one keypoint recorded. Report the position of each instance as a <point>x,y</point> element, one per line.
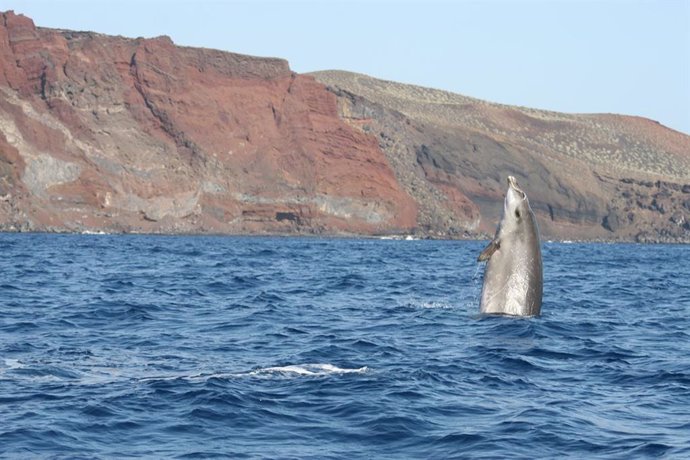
<point>103,133</point>
<point>592,177</point>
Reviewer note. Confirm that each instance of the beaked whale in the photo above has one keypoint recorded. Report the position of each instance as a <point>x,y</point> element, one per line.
<point>513,280</point>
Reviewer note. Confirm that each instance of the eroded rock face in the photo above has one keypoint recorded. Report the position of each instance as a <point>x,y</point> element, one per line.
<point>106,133</point>
<point>115,134</point>
<point>587,176</point>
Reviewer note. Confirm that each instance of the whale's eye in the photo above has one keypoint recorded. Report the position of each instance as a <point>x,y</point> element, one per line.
<point>517,213</point>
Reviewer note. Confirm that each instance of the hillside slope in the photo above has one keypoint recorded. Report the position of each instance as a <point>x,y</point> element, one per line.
<point>587,176</point>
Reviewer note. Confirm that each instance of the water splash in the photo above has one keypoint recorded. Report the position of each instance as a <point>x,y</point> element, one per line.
<point>308,370</point>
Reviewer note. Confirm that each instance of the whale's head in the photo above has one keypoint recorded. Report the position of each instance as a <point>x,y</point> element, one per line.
<point>516,209</point>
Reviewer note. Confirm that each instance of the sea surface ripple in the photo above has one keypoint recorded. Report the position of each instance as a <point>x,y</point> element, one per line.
<point>202,347</point>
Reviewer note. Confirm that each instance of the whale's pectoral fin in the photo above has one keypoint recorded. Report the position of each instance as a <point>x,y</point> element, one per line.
<point>488,251</point>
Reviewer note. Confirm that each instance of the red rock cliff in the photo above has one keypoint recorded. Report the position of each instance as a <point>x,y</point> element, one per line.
<point>116,134</point>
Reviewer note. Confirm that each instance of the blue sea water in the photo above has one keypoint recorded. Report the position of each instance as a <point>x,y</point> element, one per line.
<point>202,347</point>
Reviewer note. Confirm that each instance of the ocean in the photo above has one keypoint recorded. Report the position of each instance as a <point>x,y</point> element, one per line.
<point>117,346</point>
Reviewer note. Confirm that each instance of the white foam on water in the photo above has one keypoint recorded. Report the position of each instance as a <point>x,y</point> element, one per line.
<point>10,364</point>
<point>308,369</point>
<point>159,378</point>
<point>13,364</point>
<point>293,370</point>
<point>428,304</point>
<point>431,305</point>
<point>103,375</point>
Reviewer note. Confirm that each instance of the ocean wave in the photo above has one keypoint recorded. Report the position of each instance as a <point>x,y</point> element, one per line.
<point>305,370</point>
<point>288,371</point>
<point>432,305</point>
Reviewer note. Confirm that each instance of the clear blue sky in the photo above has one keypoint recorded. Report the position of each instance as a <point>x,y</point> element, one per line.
<point>616,56</point>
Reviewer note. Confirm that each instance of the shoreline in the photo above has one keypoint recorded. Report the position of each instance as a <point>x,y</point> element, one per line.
<point>341,235</point>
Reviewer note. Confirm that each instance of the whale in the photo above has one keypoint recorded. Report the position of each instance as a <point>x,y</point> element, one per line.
<point>513,277</point>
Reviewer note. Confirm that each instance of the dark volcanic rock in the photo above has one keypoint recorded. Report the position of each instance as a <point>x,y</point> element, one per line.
<point>611,221</point>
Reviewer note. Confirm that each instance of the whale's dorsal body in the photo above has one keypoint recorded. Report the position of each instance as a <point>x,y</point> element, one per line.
<point>513,280</point>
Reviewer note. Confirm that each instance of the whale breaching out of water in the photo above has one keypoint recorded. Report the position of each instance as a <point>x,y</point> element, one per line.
<point>513,281</point>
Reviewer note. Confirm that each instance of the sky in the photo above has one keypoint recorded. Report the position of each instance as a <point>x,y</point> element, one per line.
<point>579,56</point>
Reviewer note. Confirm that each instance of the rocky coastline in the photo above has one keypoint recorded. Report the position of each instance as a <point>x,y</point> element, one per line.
<point>104,134</point>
